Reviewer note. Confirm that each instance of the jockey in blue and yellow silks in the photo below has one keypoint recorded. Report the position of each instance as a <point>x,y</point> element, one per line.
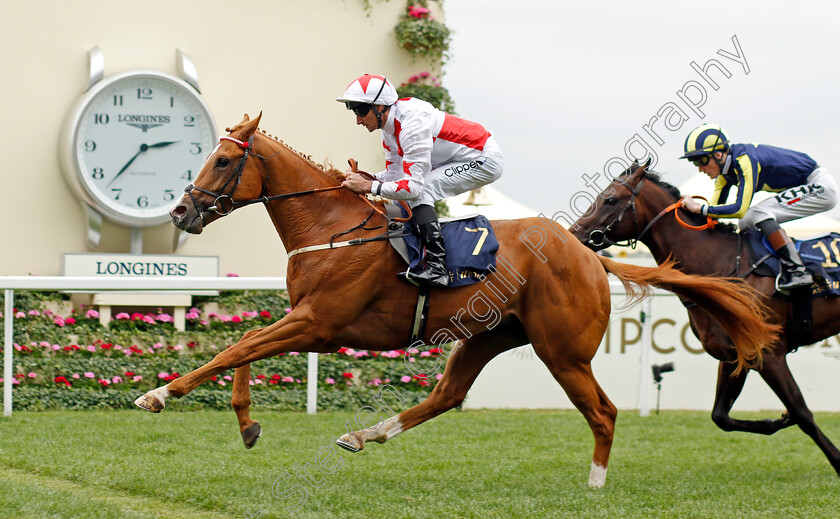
<point>803,188</point>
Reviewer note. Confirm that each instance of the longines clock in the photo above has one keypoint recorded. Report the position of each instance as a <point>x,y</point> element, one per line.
<point>134,140</point>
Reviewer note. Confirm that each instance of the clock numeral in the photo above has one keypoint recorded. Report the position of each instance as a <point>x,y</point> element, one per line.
<point>98,174</point>
<point>101,118</point>
<point>90,146</point>
<point>144,93</point>
<point>118,100</point>
<point>189,121</point>
<point>171,102</point>
<point>187,175</point>
<point>116,190</point>
<point>143,201</point>
<point>168,195</point>
<point>195,148</point>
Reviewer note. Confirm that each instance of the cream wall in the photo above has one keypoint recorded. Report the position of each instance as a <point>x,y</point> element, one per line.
<point>288,59</point>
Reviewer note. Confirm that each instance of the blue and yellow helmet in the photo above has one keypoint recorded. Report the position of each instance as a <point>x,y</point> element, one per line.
<point>704,140</point>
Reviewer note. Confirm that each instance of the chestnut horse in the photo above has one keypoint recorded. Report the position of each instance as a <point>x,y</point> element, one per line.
<point>549,290</point>
<point>638,206</point>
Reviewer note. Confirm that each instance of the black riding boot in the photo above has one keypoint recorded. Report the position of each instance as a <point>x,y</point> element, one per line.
<point>794,274</point>
<point>434,273</point>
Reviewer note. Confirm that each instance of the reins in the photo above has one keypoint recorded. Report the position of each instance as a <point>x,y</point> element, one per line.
<point>224,204</point>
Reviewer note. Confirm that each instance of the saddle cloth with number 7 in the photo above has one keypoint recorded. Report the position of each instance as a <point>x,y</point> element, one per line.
<point>471,247</point>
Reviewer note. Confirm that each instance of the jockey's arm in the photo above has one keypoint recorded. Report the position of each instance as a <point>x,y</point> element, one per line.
<point>743,197</point>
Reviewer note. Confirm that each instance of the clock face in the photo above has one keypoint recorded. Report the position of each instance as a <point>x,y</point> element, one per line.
<point>139,139</point>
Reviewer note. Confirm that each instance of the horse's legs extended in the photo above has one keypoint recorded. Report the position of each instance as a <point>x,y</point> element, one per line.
<point>776,373</point>
<point>464,365</point>
<point>729,387</point>
<point>241,400</point>
<point>295,332</point>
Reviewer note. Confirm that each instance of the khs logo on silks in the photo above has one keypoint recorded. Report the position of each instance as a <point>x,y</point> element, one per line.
<point>795,194</point>
<point>457,170</point>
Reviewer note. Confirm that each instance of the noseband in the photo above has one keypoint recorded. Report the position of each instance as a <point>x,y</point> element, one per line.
<point>599,237</point>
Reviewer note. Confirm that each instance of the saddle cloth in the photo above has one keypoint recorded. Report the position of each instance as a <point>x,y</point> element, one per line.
<point>471,247</point>
<point>820,254</point>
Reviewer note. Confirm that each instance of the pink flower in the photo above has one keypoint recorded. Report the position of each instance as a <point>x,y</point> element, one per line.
<point>405,378</point>
<point>76,375</point>
<point>222,383</point>
<point>58,321</point>
<point>56,347</point>
<point>149,319</point>
<point>178,347</point>
<point>91,348</point>
<point>136,378</point>
<point>330,380</point>
<point>32,375</point>
<point>20,314</point>
<point>287,310</point>
<point>192,315</point>
<point>116,380</point>
<point>425,354</point>
<point>45,344</point>
<point>122,316</point>
<point>236,319</point>
<point>227,377</point>
<point>225,318</point>
<point>34,313</point>
<point>164,318</point>
<point>413,79</point>
<point>250,314</point>
<point>294,353</point>
<point>350,351</point>
<point>424,74</point>
<point>250,382</point>
<point>232,275</point>
<point>163,374</point>
<point>287,379</point>
<point>70,320</point>
<point>92,314</point>
<point>89,374</point>
<point>136,316</point>
<point>438,376</point>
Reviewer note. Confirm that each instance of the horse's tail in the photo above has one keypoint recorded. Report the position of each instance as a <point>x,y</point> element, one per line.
<point>732,302</point>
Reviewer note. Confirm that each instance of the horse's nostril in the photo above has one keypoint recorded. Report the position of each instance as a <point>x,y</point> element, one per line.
<point>179,211</point>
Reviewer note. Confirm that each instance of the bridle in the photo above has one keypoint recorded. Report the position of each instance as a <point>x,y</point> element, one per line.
<point>598,237</point>
<point>223,203</point>
<point>603,239</point>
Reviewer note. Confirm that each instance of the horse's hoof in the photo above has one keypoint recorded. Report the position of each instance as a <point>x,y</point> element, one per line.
<point>149,402</point>
<point>251,435</point>
<point>349,442</point>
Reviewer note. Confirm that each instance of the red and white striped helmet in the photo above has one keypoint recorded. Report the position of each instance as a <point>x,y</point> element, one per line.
<point>370,89</point>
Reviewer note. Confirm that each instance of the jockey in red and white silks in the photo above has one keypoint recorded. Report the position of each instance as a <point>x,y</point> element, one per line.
<point>431,155</point>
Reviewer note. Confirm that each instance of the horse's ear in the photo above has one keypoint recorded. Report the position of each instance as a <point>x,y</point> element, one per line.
<point>648,162</point>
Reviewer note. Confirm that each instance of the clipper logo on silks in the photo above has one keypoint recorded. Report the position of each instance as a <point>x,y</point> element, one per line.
<point>457,170</point>
<point>795,194</point>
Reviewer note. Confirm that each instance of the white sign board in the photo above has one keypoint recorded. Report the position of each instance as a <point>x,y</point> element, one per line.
<point>114,265</point>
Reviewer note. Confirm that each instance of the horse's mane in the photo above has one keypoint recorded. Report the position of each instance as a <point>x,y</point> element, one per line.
<point>324,167</point>
<point>656,178</point>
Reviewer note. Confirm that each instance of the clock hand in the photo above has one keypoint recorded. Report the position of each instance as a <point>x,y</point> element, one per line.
<point>143,147</point>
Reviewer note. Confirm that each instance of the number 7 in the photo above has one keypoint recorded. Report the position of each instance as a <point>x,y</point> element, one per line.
<point>484,232</point>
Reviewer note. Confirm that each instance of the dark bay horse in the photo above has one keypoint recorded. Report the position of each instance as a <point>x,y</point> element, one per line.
<point>549,290</point>
<point>634,207</point>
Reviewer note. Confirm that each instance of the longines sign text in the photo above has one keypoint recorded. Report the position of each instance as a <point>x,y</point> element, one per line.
<point>139,265</point>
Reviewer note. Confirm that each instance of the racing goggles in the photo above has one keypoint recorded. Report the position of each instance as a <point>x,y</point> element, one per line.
<point>701,160</point>
<point>360,109</point>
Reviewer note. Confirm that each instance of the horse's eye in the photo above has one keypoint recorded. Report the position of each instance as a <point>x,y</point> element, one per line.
<point>222,162</point>
<point>611,200</point>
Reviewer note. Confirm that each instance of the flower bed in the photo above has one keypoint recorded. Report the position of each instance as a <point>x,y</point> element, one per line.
<point>72,362</point>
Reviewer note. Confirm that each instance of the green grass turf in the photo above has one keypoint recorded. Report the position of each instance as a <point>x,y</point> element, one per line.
<point>132,464</point>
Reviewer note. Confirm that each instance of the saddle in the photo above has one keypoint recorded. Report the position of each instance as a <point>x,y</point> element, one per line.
<point>820,254</point>
<point>470,242</point>
<point>821,257</point>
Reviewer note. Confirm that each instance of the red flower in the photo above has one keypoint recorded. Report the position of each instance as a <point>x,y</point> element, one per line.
<point>261,377</point>
<point>421,376</point>
<point>342,350</point>
<point>424,383</point>
<point>191,344</point>
<point>236,319</point>
<point>275,377</point>
<point>214,378</point>
<point>136,317</point>
<point>70,320</point>
<point>129,374</point>
<point>347,375</point>
<point>104,382</point>
<point>106,346</point>
<point>265,314</point>
<point>62,380</point>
